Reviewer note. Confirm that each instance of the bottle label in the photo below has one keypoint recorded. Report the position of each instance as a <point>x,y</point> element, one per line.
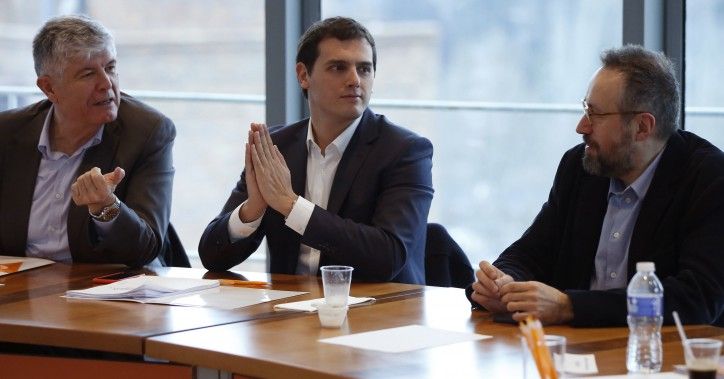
<point>644,306</point>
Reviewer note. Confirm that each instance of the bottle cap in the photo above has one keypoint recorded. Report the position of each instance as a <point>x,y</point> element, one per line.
<point>645,266</point>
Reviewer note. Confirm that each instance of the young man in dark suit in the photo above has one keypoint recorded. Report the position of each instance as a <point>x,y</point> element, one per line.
<point>86,175</point>
<point>637,189</point>
<point>344,187</point>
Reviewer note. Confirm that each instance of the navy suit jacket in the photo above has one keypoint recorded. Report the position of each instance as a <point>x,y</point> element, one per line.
<point>140,141</point>
<point>375,219</point>
<point>680,228</point>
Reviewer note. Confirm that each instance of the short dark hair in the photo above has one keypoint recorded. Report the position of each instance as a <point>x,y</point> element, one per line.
<point>66,36</point>
<point>650,85</point>
<point>341,28</point>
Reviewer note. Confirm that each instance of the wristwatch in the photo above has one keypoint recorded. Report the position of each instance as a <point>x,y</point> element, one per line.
<point>108,213</point>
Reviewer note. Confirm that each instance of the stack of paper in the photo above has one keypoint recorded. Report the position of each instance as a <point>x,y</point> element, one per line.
<point>144,287</point>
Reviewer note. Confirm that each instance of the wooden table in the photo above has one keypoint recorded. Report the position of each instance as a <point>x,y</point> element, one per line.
<point>289,348</point>
<point>32,310</point>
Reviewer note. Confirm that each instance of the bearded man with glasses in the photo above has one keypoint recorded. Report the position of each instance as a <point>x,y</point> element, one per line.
<point>637,189</point>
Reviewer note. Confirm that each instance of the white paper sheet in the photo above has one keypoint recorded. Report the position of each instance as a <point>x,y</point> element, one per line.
<point>227,297</point>
<point>402,339</point>
<point>581,364</point>
<point>307,305</point>
<point>8,263</point>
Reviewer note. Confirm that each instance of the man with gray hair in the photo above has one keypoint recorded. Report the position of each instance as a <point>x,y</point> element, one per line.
<point>86,175</point>
<point>637,189</point>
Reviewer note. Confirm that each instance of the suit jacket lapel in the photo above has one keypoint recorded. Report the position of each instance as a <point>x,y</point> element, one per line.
<point>100,156</point>
<point>21,171</point>
<point>655,202</point>
<point>590,212</point>
<point>352,160</point>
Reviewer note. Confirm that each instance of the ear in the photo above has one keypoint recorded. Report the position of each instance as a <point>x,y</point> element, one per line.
<point>302,75</point>
<point>46,85</point>
<point>645,126</point>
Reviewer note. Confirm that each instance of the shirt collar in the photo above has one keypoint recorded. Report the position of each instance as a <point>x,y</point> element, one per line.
<point>340,143</point>
<point>44,141</point>
<point>641,185</point>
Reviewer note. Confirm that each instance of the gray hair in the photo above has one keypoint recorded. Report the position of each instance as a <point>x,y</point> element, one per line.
<point>650,85</point>
<point>69,36</point>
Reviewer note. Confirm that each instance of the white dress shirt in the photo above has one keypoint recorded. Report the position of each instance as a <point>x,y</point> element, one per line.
<point>321,168</point>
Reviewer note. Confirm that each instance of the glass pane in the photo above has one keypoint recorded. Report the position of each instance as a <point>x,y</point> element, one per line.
<point>493,166</point>
<point>170,46</point>
<point>704,94</point>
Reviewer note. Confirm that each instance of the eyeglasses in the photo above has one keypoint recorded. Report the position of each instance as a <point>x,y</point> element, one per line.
<point>587,112</point>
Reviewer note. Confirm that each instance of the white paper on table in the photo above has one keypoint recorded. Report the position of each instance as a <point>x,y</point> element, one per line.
<point>581,364</point>
<point>9,264</point>
<point>402,339</point>
<point>660,375</point>
<point>144,287</point>
<point>226,297</point>
<point>307,305</point>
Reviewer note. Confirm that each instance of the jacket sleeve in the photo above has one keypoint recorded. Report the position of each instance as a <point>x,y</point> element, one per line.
<point>137,235</point>
<point>216,250</point>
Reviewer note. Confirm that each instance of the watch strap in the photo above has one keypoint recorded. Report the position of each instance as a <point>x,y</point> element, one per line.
<point>109,212</point>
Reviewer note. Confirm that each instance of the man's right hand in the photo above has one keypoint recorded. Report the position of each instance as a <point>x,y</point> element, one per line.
<point>255,205</point>
<point>486,290</point>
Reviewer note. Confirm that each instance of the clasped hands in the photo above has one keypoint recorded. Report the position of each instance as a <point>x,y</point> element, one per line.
<point>268,181</point>
<point>499,293</point>
<point>95,189</point>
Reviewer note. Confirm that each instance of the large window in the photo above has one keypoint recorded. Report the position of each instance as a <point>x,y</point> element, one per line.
<point>521,67</point>
<point>172,47</point>
<point>704,92</point>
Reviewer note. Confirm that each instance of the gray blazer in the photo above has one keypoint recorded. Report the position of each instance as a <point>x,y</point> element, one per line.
<point>140,141</point>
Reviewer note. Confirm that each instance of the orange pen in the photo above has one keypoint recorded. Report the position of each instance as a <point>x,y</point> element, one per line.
<point>243,283</point>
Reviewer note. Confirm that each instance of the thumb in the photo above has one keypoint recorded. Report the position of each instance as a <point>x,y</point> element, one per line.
<point>116,176</point>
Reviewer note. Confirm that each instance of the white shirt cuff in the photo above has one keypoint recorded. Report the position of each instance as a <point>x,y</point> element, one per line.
<point>299,216</point>
<point>239,229</point>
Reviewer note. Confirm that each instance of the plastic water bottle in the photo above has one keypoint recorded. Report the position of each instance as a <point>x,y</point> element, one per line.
<point>645,303</point>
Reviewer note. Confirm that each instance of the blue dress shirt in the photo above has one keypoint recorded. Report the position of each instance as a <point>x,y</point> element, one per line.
<point>47,229</point>
<point>623,209</point>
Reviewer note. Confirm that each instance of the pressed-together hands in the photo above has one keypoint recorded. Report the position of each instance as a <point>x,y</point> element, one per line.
<point>268,181</point>
<point>95,189</point>
<point>499,293</point>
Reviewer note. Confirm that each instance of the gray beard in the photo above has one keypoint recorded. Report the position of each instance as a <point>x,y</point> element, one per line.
<point>611,167</point>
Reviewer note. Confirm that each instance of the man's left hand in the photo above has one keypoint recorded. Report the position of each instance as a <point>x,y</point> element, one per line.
<point>544,302</point>
<point>95,189</point>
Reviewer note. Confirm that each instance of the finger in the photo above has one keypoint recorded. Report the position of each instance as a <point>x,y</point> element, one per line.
<point>484,291</point>
<point>519,306</point>
<point>75,194</point>
<point>482,299</point>
<point>257,157</point>
<point>500,282</point>
<point>247,160</point>
<point>513,287</point>
<point>115,177</point>
<point>256,160</point>
<point>490,270</point>
<point>98,183</point>
<point>256,126</point>
<point>266,143</point>
<point>280,157</point>
<point>486,282</point>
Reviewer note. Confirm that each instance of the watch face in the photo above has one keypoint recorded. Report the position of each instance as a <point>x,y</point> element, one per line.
<point>110,212</point>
